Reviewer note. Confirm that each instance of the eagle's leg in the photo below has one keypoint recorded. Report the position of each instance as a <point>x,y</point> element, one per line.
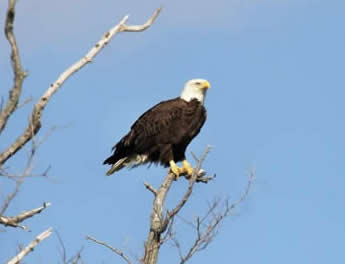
<point>187,168</point>
<point>175,169</point>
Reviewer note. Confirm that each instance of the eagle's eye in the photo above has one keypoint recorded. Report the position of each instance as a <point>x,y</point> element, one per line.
<point>198,83</point>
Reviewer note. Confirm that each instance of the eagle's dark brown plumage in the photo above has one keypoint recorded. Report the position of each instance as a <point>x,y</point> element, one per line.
<point>162,134</point>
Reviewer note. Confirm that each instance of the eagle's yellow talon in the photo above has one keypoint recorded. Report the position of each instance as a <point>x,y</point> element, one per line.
<point>187,168</point>
<point>175,169</point>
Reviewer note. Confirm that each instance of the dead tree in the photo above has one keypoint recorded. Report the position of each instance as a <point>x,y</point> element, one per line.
<point>29,134</point>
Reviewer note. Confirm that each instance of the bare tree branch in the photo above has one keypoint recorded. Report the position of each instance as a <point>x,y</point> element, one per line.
<point>63,249</point>
<point>116,250</point>
<point>25,102</point>
<point>251,178</point>
<point>30,247</point>
<point>205,232</point>
<point>20,178</point>
<point>19,181</point>
<point>74,259</point>
<point>19,74</point>
<point>15,220</point>
<point>138,28</point>
<point>159,223</point>
<point>153,241</point>
<point>35,119</point>
<point>201,176</point>
<point>204,236</point>
<point>150,188</point>
<point>11,196</point>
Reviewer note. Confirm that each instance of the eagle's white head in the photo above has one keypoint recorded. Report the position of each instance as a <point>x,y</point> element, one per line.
<point>195,89</point>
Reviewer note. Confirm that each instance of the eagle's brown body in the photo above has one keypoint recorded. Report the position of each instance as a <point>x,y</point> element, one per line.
<point>160,135</point>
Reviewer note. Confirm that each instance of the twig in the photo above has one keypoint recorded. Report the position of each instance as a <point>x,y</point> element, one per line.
<point>251,178</point>
<point>75,259</point>
<point>19,74</point>
<point>35,119</point>
<point>15,220</point>
<point>116,250</point>
<point>26,101</point>
<point>30,247</point>
<point>20,181</point>
<point>1,103</point>
<point>63,249</point>
<point>178,246</point>
<point>204,238</point>
<point>11,196</point>
<point>150,188</point>
<point>201,176</point>
<point>169,234</point>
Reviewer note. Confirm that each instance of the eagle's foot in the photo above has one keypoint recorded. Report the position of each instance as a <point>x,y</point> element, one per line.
<point>176,169</point>
<point>187,168</point>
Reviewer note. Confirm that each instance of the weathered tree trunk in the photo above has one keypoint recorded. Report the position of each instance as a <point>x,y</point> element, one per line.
<point>158,222</point>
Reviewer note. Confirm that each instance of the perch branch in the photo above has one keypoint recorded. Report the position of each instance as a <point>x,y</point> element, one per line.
<point>30,247</point>
<point>15,220</point>
<point>35,119</point>
<point>116,250</point>
<point>19,74</point>
<point>159,223</point>
<point>190,187</point>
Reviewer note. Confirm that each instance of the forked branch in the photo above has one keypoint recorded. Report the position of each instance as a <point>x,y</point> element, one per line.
<point>159,221</point>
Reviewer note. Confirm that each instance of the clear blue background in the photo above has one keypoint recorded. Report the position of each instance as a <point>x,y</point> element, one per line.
<point>276,105</point>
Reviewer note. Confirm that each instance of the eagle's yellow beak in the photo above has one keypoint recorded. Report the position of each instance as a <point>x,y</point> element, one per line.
<point>206,85</point>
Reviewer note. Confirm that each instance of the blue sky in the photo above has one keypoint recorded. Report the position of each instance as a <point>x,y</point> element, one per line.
<point>276,105</point>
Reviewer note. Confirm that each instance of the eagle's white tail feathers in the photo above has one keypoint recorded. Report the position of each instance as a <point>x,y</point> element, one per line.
<point>130,162</point>
<point>117,166</point>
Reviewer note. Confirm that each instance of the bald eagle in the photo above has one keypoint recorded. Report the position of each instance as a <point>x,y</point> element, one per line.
<point>162,134</point>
